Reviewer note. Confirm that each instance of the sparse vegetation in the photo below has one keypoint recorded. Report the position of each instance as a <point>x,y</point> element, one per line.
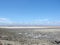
<point>30,37</point>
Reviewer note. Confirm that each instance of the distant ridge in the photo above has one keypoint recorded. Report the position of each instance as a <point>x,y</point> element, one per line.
<point>27,25</point>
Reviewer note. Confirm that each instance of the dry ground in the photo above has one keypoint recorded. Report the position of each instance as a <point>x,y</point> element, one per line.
<point>31,36</point>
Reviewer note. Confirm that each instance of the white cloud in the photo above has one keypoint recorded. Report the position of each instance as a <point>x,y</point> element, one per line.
<point>5,21</point>
<point>40,21</point>
<point>44,22</point>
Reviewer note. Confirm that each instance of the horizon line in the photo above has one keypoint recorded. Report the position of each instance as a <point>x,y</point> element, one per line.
<point>44,27</point>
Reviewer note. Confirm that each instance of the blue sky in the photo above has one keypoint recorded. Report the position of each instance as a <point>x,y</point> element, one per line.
<point>30,12</point>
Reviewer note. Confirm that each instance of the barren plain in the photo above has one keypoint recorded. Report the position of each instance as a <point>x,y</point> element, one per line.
<point>30,35</point>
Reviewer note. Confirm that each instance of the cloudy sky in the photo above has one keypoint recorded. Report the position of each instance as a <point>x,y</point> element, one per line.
<point>30,12</point>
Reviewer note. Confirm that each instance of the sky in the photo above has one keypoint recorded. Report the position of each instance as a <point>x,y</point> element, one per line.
<point>29,12</point>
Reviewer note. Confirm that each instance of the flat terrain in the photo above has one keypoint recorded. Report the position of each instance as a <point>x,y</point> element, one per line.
<point>31,35</point>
